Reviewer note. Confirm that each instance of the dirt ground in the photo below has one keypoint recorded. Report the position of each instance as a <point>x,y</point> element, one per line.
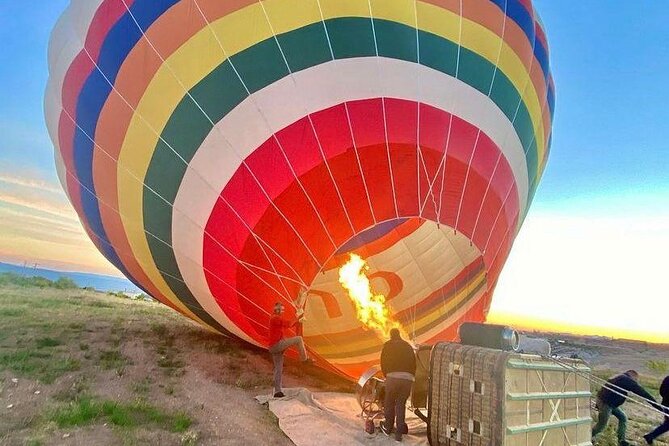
<point>79,368</point>
<point>126,351</point>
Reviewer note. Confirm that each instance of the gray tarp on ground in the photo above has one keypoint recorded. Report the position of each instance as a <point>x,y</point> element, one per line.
<point>333,419</point>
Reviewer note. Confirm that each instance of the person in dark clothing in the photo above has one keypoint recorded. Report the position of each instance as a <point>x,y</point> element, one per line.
<point>611,397</point>
<point>398,364</point>
<point>664,427</point>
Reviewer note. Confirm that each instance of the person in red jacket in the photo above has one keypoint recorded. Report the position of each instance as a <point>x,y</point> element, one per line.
<point>278,344</point>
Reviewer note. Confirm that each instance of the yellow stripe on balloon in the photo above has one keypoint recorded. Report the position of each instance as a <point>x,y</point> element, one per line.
<point>134,230</point>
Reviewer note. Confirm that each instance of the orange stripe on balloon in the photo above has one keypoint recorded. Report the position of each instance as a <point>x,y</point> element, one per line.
<point>487,14</point>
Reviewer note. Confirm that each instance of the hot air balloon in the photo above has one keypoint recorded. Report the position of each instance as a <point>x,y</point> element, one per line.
<point>224,154</point>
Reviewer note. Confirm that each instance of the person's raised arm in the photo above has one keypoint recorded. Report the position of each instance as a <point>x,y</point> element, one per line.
<point>643,393</point>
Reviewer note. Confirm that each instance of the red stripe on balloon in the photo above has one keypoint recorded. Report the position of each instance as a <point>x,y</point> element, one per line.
<point>107,14</point>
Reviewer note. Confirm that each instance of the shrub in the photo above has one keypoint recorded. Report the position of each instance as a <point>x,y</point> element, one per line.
<point>65,283</point>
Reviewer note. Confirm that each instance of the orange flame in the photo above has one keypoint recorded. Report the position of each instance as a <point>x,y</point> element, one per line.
<point>370,308</point>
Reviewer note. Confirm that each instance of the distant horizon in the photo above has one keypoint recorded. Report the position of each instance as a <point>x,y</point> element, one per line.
<point>100,282</point>
<point>516,322</point>
<point>33,265</point>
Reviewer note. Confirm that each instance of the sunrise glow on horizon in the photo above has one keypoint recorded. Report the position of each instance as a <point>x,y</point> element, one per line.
<point>591,254</point>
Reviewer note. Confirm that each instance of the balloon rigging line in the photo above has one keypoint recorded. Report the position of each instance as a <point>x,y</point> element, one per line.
<point>390,164</point>
<point>357,157</point>
<point>442,166</point>
<point>420,159</point>
<point>450,121</point>
<point>464,184</point>
<point>348,117</point>
<point>478,132</point>
<point>126,218</point>
<point>455,282</point>
<point>290,302</point>
<point>290,73</point>
<point>503,205</point>
<point>499,52</point>
<point>242,160</point>
<point>651,405</point>
<point>430,192</point>
<point>170,147</point>
<point>419,154</point>
<point>485,194</point>
<point>499,213</point>
<point>185,304</point>
<point>383,99</point>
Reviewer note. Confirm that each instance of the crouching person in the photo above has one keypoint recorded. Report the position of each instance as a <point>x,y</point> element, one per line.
<point>398,364</point>
<point>610,399</point>
<point>278,344</point>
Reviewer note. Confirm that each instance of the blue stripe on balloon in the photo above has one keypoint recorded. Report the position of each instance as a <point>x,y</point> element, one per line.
<point>370,235</point>
<point>118,43</point>
<point>517,12</point>
<point>88,200</point>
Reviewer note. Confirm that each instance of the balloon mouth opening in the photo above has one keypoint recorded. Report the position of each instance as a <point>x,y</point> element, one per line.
<point>429,275</point>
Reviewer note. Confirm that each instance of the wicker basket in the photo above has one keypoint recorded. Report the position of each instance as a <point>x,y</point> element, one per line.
<point>484,397</point>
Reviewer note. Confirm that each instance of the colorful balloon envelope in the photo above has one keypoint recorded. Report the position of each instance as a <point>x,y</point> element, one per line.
<point>224,154</point>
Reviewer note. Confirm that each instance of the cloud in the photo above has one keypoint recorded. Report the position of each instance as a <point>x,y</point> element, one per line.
<point>53,253</point>
<point>41,233</point>
<point>27,219</point>
<point>40,204</point>
<point>33,183</point>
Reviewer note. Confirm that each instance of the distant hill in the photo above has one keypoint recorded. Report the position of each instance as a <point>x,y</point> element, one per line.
<point>97,281</point>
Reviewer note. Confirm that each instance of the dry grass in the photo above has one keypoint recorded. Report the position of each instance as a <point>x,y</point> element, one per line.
<point>101,369</point>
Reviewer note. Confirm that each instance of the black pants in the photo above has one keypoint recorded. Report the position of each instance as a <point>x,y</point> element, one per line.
<point>394,405</point>
<point>661,429</point>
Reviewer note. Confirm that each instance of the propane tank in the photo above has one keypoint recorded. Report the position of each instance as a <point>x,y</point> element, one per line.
<point>499,337</point>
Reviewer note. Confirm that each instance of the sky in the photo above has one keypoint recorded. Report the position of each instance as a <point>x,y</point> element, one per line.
<point>592,252</point>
